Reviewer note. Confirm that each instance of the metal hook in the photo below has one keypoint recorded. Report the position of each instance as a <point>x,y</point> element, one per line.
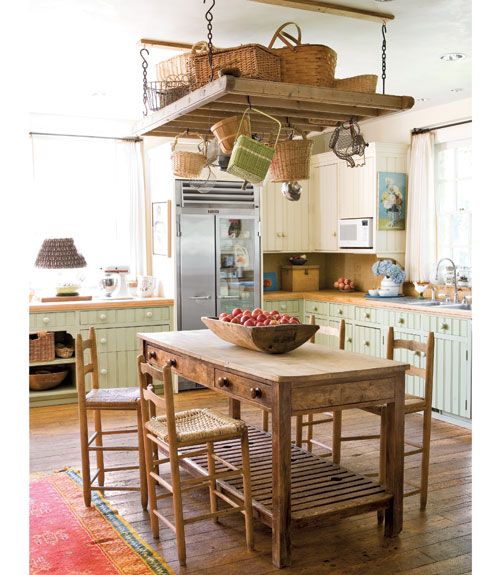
<point>384,56</point>
<point>144,79</point>
<point>209,17</point>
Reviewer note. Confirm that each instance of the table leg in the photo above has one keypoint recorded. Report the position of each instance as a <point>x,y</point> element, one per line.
<point>394,471</point>
<point>282,515</point>
<point>234,409</point>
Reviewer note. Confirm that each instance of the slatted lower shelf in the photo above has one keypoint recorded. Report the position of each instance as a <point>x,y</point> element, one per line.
<point>319,487</point>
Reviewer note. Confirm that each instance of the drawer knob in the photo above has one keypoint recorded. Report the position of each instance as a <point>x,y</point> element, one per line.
<point>315,308</point>
<point>367,343</point>
<point>340,312</point>
<point>223,382</point>
<point>255,392</point>
<point>349,340</point>
<point>149,314</point>
<point>445,326</point>
<point>152,355</point>
<point>46,320</point>
<point>102,316</point>
<point>103,340</point>
<point>171,363</point>
<point>401,320</point>
<point>417,353</point>
<point>283,307</point>
<point>367,315</point>
<point>104,371</point>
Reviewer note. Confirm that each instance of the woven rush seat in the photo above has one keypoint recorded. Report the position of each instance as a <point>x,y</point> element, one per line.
<point>196,425</point>
<point>113,397</point>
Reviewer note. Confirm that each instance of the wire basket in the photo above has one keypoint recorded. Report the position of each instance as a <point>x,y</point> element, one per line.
<point>164,92</point>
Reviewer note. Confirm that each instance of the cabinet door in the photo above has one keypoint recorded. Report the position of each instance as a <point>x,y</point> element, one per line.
<point>357,190</point>
<point>323,208</point>
<point>367,340</point>
<point>414,385</point>
<point>452,376</point>
<point>272,218</point>
<point>296,220</point>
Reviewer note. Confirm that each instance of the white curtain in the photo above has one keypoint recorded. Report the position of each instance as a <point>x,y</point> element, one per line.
<point>421,227</point>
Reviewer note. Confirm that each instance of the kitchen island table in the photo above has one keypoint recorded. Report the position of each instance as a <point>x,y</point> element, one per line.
<point>289,485</point>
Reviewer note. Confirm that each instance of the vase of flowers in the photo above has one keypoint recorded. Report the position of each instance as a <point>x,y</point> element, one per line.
<point>393,274</point>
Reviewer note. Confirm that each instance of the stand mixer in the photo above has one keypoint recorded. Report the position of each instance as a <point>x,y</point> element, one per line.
<point>118,288</point>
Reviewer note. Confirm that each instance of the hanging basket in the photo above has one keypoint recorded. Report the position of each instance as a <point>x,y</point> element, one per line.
<point>292,160</point>
<point>180,65</point>
<point>165,92</point>
<point>226,131</point>
<point>312,64</point>
<point>365,83</point>
<point>250,159</point>
<point>188,164</point>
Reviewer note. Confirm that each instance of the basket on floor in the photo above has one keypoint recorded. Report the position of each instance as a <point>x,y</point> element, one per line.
<point>250,159</point>
<point>292,160</point>
<point>251,60</point>
<point>226,131</point>
<point>165,92</point>
<point>42,346</point>
<point>312,64</point>
<point>364,83</point>
<point>42,379</point>
<point>188,164</point>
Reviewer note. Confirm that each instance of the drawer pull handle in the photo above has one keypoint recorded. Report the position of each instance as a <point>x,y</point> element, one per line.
<point>255,392</point>
<point>149,314</point>
<point>171,363</point>
<point>46,320</point>
<point>102,316</point>
<point>104,371</point>
<point>223,382</point>
<point>103,340</point>
<point>445,326</point>
<point>152,355</point>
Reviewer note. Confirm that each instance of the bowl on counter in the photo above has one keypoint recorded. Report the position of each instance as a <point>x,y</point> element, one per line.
<point>373,292</point>
<point>297,261</point>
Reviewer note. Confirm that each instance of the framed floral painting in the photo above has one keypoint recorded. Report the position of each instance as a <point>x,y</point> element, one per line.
<point>391,201</point>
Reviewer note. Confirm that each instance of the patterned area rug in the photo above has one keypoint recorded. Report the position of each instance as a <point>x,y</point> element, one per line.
<point>67,538</point>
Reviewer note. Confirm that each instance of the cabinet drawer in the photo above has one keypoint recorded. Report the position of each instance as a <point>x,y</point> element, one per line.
<point>367,314</point>
<point>242,388</point>
<point>316,307</point>
<point>185,366</point>
<point>284,306</point>
<point>52,321</point>
<point>341,310</point>
<point>123,338</point>
<point>405,320</point>
<point>98,316</point>
<point>126,317</point>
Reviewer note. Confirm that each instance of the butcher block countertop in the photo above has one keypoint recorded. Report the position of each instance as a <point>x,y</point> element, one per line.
<point>37,306</point>
<point>358,298</point>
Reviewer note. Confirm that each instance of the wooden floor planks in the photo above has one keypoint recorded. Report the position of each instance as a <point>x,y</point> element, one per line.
<point>436,542</point>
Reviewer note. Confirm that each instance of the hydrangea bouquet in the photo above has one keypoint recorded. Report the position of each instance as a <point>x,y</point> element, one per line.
<point>390,270</point>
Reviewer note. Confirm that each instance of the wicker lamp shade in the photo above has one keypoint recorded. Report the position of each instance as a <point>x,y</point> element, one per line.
<point>59,253</point>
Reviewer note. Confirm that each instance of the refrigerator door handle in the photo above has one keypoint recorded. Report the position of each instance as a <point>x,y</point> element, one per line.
<point>200,297</point>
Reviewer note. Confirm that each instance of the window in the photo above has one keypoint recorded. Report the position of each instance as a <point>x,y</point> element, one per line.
<point>454,202</point>
<point>91,190</point>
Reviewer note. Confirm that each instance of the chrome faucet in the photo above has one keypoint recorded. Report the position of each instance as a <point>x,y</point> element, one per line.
<point>455,292</point>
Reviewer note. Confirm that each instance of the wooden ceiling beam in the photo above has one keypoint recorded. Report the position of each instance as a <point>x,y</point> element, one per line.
<point>172,45</point>
<point>330,8</point>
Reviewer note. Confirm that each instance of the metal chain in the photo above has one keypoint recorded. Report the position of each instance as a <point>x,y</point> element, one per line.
<point>209,17</point>
<point>384,57</point>
<point>144,80</point>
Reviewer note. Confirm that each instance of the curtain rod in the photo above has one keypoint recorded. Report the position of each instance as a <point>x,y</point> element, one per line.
<point>424,130</point>
<point>86,136</point>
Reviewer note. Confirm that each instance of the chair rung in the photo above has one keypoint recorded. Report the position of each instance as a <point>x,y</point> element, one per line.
<point>319,444</point>
<point>226,499</point>
<point>169,524</point>
<point>124,468</point>
<point>94,477</point>
<point>119,431</point>
<point>224,462</point>
<point>114,488</point>
<point>119,448</point>
<point>161,481</point>
<point>92,438</point>
<point>164,495</point>
<point>160,461</point>
<point>194,453</point>
<point>418,445</point>
<point>359,437</point>
<point>316,422</point>
<point>414,452</point>
<point>214,514</point>
<point>413,492</point>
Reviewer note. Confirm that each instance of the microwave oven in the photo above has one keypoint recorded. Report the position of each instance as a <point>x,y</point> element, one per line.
<point>356,233</point>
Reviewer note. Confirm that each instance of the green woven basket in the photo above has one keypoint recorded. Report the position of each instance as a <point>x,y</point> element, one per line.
<point>250,159</point>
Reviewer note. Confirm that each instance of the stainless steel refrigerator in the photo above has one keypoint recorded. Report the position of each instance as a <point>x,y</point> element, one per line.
<point>217,251</point>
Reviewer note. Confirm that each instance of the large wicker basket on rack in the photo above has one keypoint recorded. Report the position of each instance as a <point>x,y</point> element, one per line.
<point>42,346</point>
<point>179,66</point>
<point>291,160</point>
<point>364,83</point>
<point>188,164</point>
<point>312,64</point>
<point>251,60</point>
<point>226,132</point>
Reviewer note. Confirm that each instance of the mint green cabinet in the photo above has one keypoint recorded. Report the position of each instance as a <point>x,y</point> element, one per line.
<point>291,306</point>
<point>367,340</point>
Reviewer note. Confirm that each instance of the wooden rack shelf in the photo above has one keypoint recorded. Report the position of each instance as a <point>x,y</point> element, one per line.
<point>306,108</point>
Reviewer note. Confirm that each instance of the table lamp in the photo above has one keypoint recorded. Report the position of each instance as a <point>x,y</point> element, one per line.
<point>61,254</point>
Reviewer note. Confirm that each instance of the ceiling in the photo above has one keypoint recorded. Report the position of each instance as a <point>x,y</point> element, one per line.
<point>85,53</point>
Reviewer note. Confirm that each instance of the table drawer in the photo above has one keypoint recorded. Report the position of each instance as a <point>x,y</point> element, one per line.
<point>242,388</point>
<point>316,307</point>
<point>185,366</point>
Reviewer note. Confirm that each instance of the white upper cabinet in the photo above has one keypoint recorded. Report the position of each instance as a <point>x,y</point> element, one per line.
<point>357,188</point>
<point>323,202</point>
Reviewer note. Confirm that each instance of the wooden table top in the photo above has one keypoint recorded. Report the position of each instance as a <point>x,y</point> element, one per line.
<point>309,363</point>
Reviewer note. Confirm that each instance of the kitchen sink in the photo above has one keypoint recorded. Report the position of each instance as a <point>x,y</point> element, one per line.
<point>448,305</point>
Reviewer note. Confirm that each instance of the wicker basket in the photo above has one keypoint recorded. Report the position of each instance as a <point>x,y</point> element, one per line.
<point>180,65</point>
<point>226,131</point>
<point>42,346</point>
<point>43,379</point>
<point>250,159</point>
<point>64,351</point>
<point>364,83</point>
<point>188,164</point>
<point>252,61</point>
<point>312,64</point>
<point>292,160</point>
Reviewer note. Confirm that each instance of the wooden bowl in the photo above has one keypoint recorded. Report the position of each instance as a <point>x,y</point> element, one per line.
<point>269,339</point>
<point>46,379</point>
